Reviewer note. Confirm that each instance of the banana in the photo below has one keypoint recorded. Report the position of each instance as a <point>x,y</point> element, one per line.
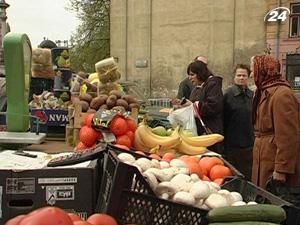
<point>157,150</point>
<point>138,143</point>
<point>202,140</point>
<point>188,149</point>
<point>152,140</point>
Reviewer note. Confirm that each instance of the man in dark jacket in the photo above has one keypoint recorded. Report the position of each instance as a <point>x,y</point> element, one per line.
<point>238,128</point>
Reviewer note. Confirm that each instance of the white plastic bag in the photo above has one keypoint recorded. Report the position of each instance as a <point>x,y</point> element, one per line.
<point>184,117</point>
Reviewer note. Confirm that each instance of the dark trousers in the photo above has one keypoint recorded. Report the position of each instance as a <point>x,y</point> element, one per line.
<point>241,159</point>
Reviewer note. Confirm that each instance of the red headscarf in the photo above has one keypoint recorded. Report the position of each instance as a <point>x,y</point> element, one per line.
<point>266,72</point>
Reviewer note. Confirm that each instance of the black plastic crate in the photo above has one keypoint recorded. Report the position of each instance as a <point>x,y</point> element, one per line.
<point>126,195</point>
<point>251,192</point>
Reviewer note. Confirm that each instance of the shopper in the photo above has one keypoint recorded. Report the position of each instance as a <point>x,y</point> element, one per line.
<point>186,86</point>
<point>208,93</point>
<point>276,149</point>
<point>238,128</point>
<point>3,97</point>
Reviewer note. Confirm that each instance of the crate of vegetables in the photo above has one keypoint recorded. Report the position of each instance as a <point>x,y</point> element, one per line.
<point>253,193</point>
<point>142,190</point>
<point>132,196</point>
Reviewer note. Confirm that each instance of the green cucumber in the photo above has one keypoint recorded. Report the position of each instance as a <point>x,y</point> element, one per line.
<point>259,212</point>
<point>245,223</point>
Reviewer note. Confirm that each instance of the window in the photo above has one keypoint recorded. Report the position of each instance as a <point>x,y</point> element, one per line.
<point>295,20</point>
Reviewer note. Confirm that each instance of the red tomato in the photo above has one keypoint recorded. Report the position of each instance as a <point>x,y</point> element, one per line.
<point>81,222</point>
<point>154,156</point>
<point>74,217</point>
<point>80,146</point>
<point>88,136</point>
<point>130,134</point>
<point>89,119</point>
<point>118,126</point>
<point>122,147</point>
<point>131,125</point>
<point>101,219</point>
<point>16,220</point>
<point>47,216</point>
<point>124,140</point>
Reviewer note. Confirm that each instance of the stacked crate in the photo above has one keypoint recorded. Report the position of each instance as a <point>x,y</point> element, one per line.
<point>76,119</point>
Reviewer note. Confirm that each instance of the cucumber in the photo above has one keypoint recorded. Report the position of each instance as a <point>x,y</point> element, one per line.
<point>245,223</point>
<point>259,212</point>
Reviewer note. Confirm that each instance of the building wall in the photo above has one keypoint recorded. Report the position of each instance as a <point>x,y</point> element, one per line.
<point>277,35</point>
<point>155,40</point>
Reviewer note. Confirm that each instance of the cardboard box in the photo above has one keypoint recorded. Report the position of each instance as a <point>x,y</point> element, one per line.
<point>70,188</point>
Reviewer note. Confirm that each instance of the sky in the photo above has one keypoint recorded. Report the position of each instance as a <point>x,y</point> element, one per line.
<point>41,18</point>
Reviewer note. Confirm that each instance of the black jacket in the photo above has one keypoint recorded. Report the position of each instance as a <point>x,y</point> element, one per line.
<point>185,88</point>
<point>238,128</point>
<point>210,97</point>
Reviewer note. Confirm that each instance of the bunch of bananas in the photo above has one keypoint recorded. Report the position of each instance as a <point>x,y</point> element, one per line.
<point>147,141</point>
<point>196,145</point>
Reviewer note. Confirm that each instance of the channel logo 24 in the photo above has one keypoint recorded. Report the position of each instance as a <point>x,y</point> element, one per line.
<point>277,14</point>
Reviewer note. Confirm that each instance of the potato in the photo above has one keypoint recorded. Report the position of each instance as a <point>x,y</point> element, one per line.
<point>111,101</point>
<point>85,97</point>
<point>104,106</point>
<point>98,101</point>
<point>134,105</point>
<point>123,103</point>
<point>84,106</point>
<point>129,99</point>
<point>116,93</point>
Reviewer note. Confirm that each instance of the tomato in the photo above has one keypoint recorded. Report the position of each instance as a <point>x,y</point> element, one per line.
<point>47,216</point>
<point>130,134</point>
<point>16,220</point>
<point>101,219</point>
<point>219,171</point>
<point>80,146</point>
<point>131,125</point>
<point>124,140</point>
<point>81,222</point>
<point>124,147</point>
<point>88,136</point>
<point>118,126</point>
<point>74,217</point>
<point>154,156</point>
<point>208,162</point>
<point>195,168</point>
<point>169,156</point>
<point>88,121</point>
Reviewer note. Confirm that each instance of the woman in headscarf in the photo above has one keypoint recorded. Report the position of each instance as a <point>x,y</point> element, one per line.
<point>276,151</point>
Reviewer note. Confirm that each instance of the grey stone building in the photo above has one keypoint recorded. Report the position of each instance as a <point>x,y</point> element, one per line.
<point>154,40</point>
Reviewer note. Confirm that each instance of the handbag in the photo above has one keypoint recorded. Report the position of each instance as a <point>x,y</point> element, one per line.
<point>197,116</point>
<point>289,194</point>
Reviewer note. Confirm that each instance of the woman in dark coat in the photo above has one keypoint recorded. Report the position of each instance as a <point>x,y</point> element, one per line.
<point>276,149</point>
<point>208,93</point>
